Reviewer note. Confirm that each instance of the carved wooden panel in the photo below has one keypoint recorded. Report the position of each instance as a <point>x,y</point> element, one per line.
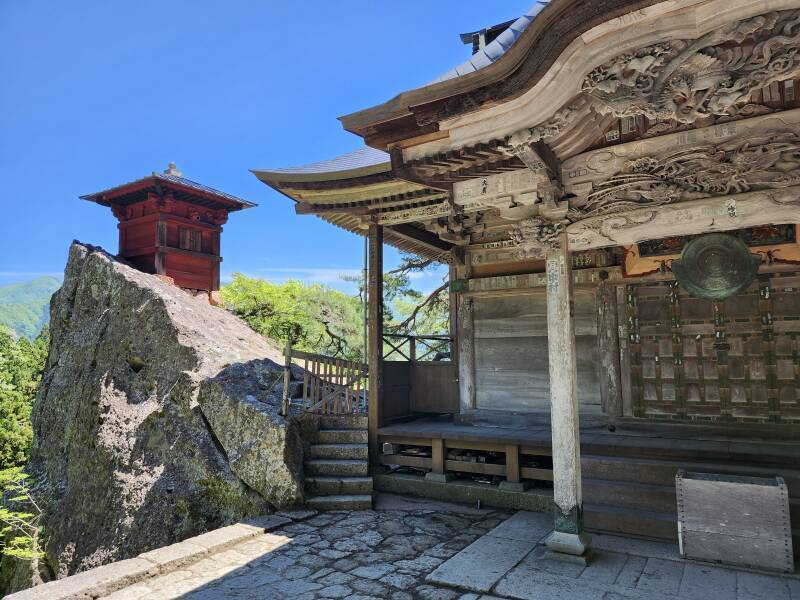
<point>735,360</point>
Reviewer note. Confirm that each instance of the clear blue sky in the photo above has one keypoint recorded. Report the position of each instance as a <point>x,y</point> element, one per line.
<point>97,93</point>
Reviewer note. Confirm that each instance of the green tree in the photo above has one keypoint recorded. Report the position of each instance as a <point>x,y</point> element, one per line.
<point>21,366</point>
<point>315,317</point>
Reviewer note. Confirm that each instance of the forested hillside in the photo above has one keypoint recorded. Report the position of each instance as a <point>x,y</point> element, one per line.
<point>24,306</point>
<point>21,365</point>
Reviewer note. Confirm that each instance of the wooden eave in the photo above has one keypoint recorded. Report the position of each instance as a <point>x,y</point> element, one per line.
<point>417,112</point>
<point>333,202</point>
<point>135,191</point>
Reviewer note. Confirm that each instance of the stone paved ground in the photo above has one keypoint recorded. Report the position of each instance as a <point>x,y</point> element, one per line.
<point>422,550</point>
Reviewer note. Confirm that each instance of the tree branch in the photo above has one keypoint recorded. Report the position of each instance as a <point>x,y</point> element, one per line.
<point>432,299</point>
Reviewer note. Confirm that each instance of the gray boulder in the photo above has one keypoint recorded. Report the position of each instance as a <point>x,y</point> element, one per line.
<point>154,421</point>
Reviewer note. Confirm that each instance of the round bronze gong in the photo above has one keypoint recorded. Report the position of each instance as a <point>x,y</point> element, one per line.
<point>716,266</point>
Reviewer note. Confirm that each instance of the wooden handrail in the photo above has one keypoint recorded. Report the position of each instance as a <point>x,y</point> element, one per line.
<point>418,348</point>
<point>331,385</point>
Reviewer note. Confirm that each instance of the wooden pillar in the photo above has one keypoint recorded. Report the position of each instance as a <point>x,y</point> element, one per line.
<point>375,338</point>
<point>568,537</point>
<point>466,354</point>
<point>438,472</point>
<point>513,481</point>
<point>608,351</point>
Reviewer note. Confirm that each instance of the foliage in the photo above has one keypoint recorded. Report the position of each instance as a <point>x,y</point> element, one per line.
<point>21,365</point>
<point>318,318</point>
<point>19,517</point>
<point>315,318</point>
<point>24,307</point>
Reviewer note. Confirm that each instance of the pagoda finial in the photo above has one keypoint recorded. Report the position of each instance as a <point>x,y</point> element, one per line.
<point>173,170</point>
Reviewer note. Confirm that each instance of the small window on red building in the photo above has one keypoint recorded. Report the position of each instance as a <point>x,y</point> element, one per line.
<point>191,239</point>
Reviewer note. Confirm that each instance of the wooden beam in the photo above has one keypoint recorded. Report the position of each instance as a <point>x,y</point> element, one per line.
<point>420,236</point>
<point>375,338</point>
<point>723,213</point>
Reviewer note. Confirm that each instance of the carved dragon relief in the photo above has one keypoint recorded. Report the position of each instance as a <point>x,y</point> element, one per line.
<point>686,80</point>
<point>733,167</point>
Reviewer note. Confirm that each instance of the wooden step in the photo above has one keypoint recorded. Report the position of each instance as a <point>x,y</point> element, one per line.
<point>343,422</point>
<point>339,467</point>
<point>330,486</point>
<point>341,502</point>
<point>335,451</point>
<point>628,494</point>
<point>342,436</point>
<point>629,521</point>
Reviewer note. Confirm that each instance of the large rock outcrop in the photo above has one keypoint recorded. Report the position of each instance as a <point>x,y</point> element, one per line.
<point>157,417</point>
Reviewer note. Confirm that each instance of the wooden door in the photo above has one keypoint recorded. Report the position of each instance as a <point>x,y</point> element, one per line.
<point>733,360</point>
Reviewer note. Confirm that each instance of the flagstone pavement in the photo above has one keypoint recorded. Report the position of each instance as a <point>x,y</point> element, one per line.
<point>413,549</point>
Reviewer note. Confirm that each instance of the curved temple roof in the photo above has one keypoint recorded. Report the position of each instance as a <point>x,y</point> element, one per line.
<point>495,49</point>
<point>366,161</point>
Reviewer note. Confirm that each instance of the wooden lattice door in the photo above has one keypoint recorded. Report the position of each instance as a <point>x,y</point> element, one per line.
<point>732,360</point>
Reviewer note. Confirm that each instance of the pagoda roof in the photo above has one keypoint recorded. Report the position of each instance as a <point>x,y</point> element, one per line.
<point>496,48</point>
<point>181,187</point>
<point>360,163</point>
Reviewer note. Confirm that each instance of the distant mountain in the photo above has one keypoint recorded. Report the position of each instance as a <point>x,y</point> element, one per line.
<point>25,307</point>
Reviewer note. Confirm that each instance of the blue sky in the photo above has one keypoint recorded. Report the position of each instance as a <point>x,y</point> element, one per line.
<point>94,94</point>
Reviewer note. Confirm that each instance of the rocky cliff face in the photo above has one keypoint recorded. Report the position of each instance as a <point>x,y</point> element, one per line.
<point>156,420</point>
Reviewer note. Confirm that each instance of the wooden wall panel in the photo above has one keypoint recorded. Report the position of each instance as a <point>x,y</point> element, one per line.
<point>396,392</point>
<point>434,387</point>
<point>511,359</point>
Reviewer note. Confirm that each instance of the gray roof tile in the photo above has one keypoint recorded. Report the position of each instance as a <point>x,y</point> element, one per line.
<point>494,50</point>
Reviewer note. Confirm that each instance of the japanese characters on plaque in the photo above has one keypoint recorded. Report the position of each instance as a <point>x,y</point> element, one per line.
<point>513,187</point>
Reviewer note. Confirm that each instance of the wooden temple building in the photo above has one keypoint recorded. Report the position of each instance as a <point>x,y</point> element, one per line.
<point>171,226</point>
<point>615,187</point>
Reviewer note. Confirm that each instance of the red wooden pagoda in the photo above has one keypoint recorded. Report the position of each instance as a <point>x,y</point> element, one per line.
<point>170,226</point>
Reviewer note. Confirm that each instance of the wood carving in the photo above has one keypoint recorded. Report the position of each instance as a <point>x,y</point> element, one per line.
<point>686,80</point>
<point>691,173</point>
<point>534,237</point>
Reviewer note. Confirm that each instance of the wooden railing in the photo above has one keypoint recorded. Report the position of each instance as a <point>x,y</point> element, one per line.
<point>331,386</point>
<point>417,348</point>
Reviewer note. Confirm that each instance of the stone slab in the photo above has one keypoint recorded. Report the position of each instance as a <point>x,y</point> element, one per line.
<point>524,526</point>
<point>702,582</point>
<point>752,586</point>
<point>91,584</point>
<point>175,555</point>
<point>661,576</point>
<point>481,564</point>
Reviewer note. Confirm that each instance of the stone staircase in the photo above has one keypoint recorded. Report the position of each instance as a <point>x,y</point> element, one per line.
<point>337,468</point>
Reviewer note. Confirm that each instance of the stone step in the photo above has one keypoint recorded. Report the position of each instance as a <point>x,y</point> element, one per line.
<point>627,494</point>
<point>342,436</point>
<point>339,467</point>
<point>343,422</point>
<point>354,451</point>
<point>629,521</point>
<point>343,502</point>
<point>321,486</point>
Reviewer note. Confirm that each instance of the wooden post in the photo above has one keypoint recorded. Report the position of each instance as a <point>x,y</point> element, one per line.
<point>513,482</point>
<point>438,458</point>
<point>608,351</point>
<point>466,354</point>
<point>568,537</point>
<point>375,337</point>
<point>287,377</point>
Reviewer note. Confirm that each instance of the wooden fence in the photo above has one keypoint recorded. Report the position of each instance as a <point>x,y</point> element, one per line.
<point>331,386</point>
<point>417,348</point>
